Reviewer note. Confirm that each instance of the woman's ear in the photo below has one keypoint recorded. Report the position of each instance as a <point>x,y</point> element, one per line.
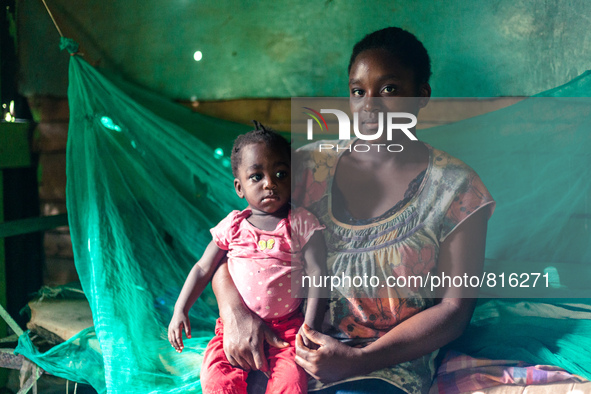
<point>238,188</point>
<point>424,94</point>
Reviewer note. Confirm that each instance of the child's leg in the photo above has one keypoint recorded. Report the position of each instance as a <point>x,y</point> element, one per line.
<point>286,375</point>
<point>217,374</point>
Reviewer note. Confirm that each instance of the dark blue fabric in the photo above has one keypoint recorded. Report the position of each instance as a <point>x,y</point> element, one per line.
<point>257,383</point>
<point>365,386</point>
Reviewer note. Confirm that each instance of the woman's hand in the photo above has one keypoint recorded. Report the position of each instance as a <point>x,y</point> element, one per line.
<point>331,362</point>
<point>245,335</point>
<point>244,332</point>
<point>307,342</point>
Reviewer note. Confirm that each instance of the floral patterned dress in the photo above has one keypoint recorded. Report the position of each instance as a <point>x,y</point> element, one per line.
<point>402,243</point>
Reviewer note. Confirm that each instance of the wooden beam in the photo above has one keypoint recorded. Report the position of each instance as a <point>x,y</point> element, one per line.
<point>32,225</point>
<point>10,321</point>
<point>58,320</point>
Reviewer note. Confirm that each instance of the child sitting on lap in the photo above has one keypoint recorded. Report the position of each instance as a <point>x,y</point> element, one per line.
<point>266,244</point>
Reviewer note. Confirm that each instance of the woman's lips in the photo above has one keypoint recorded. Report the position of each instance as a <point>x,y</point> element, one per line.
<point>370,124</point>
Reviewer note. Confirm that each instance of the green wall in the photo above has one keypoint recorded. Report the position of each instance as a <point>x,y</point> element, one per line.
<point>285,48</point>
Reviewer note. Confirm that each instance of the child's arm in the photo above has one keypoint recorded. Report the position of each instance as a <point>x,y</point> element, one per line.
<point>315,266</point>
<point>198,278</point>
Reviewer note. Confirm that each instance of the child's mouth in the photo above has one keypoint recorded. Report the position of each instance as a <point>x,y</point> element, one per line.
<point>273,197</point>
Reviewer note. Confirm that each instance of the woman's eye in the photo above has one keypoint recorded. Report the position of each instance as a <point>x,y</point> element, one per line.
<point>356,92</point>
<point>255,177</point>
<point>389,89</point>
<point>281,174</point>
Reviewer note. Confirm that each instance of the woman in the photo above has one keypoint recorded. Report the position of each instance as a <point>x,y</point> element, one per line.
<point>414,212</point>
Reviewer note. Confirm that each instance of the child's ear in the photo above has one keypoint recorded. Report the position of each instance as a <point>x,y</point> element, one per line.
<point>238,188</point>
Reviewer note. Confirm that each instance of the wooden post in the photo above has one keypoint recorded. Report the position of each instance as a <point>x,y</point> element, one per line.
<point>2,262</point>
<point>3,332</point>
<point>14,153</point>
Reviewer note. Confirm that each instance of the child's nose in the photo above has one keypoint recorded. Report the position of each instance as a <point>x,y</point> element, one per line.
<point>269,183</point>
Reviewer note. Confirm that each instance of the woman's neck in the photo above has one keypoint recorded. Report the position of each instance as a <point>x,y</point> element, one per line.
<point>399,151</point>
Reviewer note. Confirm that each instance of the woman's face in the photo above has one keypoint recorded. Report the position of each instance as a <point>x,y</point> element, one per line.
<point>379,82</point>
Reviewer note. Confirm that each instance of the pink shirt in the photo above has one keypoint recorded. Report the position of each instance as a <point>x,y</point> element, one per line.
<point>263,263</point>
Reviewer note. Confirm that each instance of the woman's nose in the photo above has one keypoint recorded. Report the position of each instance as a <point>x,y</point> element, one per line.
<point>372,104</point>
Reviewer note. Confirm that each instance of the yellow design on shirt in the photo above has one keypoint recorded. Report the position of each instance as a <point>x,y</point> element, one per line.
<point>266,244</point>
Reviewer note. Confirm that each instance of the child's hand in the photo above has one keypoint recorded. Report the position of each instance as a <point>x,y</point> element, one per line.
<point>308,343</point>
<point>178,322</point>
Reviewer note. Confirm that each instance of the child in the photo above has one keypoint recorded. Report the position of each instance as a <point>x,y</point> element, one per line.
<point>265,245</point>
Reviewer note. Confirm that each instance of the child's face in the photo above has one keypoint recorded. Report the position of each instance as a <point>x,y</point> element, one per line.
<point>379,82</point>
<point>264,178</point>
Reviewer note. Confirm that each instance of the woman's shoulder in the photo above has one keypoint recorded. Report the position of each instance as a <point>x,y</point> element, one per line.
<point>449,169</point>
<point>322,146</point>
<point>317,153</point>
<point>312,167</point>
<point>446,161</point>
<point>455,190</point>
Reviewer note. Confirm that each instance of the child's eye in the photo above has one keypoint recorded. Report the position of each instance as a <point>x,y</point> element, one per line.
<point>389,89</point>
<point>281,174</point>
<point>255,177</point>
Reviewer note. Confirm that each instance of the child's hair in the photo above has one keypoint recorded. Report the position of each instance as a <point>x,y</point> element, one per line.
<point>260,134</point>
<point>400,43</point>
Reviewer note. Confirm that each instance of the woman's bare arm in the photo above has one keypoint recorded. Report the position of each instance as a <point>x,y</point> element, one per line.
<point>315,267</point>
<point>315,270</point>
<point>461,253</point>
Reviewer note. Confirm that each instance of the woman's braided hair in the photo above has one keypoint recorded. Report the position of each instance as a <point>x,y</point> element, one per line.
<point>404,45</point>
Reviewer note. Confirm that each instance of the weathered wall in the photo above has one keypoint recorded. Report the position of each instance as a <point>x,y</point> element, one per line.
<point>284,48</point>
<point>50,146</point>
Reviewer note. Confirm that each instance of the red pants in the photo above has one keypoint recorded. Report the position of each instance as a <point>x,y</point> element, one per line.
<point>219,376</point>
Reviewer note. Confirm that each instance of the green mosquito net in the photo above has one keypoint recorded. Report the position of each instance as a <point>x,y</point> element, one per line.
<point>144,189</point>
